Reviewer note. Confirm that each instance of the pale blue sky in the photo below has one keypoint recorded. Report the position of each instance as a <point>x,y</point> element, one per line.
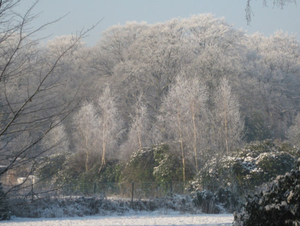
<point>85,13</point>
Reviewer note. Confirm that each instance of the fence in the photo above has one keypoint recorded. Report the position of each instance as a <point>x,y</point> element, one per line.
<point>133,191</point>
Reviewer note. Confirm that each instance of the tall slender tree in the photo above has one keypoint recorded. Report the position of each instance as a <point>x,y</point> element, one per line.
<point>183,109</point>
<point>110,125</point>
<point>229,123</point>
<point>86,133</point>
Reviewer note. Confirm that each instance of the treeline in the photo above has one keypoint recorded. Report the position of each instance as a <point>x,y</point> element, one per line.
<point>196,85</point>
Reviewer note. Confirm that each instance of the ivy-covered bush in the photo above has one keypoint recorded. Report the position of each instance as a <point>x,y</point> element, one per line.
<point>157,164</point>
<point>279,204</point>
<point>168,166</point>
<point>86,180</point>
<point>246,168</point>
<point>140,166</point>
<point>70,173</point>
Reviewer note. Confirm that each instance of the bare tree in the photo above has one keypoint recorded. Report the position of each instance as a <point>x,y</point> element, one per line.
<point>277,3</point>
<point>30,106</point>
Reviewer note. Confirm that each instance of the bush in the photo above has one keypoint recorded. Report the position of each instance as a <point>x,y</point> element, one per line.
<point>206,200</point>
<point>4,210</point>
<point>73,176</point>
<point>223,200</point>
<point>168,166</point>
<point>157,164</point>
<point>140,166</point>
<point>244,169</point>
<point>66,207</point>
<point>279,204</point>
<point>49,167</point>
<point>81,206</point>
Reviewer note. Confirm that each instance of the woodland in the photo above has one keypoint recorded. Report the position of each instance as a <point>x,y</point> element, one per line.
<point>183,100</point>
<point>196,85</point>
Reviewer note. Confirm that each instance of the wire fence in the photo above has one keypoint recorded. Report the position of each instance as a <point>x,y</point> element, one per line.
<point>124,190</point>
<point>113,190</point>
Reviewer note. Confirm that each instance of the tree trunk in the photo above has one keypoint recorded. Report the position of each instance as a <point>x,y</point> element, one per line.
<point>195,136</point>
<point>181,147</point>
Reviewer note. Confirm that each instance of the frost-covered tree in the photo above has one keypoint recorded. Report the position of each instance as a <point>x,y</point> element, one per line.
<point>112,49</point>
<point>271,77</point>
<point>71,72</point>
<point>138,135</point>
<point>57,141</point>
<point>59,44</point>
<point>86,133</point>
<point>293,133</point>
<point>140,123</point>
<point>110,125</point>
<point>98,130</point>
<point>229,125</point>
<point>146,58</point>
<point>154,59</point>
<point>183,110</point>
<point>215,48</point>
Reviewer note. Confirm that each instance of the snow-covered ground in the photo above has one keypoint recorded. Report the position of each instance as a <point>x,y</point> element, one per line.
<point>159,219</point>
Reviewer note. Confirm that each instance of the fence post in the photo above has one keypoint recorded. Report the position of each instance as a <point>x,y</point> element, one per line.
<point>32,193</point>
<point>132,189</point>
<point>94,188</point>
<point>171,188</point>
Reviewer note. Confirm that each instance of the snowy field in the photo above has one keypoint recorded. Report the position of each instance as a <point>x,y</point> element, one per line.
<point>130,220</point>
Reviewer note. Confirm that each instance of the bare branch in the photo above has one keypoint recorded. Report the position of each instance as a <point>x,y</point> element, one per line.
<point>278,3</point>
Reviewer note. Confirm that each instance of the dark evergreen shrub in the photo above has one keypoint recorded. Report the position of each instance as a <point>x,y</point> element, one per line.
<point>168,165</point>
<point>76,179</point>
<point>231,202</point>
<point>246,168</point>
<point>49,168</point>
<point>140,166</point>
<point>157,164</point>
<point>256,128</point>
<point>223,200</point>
<point>206,200</point>
<point>279,204</point>
<point>4,209</point>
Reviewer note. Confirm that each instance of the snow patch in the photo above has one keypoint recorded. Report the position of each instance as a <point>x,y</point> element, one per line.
<point>142,218</point>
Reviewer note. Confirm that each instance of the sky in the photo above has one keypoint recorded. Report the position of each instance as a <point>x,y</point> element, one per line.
<point>82,14</point>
